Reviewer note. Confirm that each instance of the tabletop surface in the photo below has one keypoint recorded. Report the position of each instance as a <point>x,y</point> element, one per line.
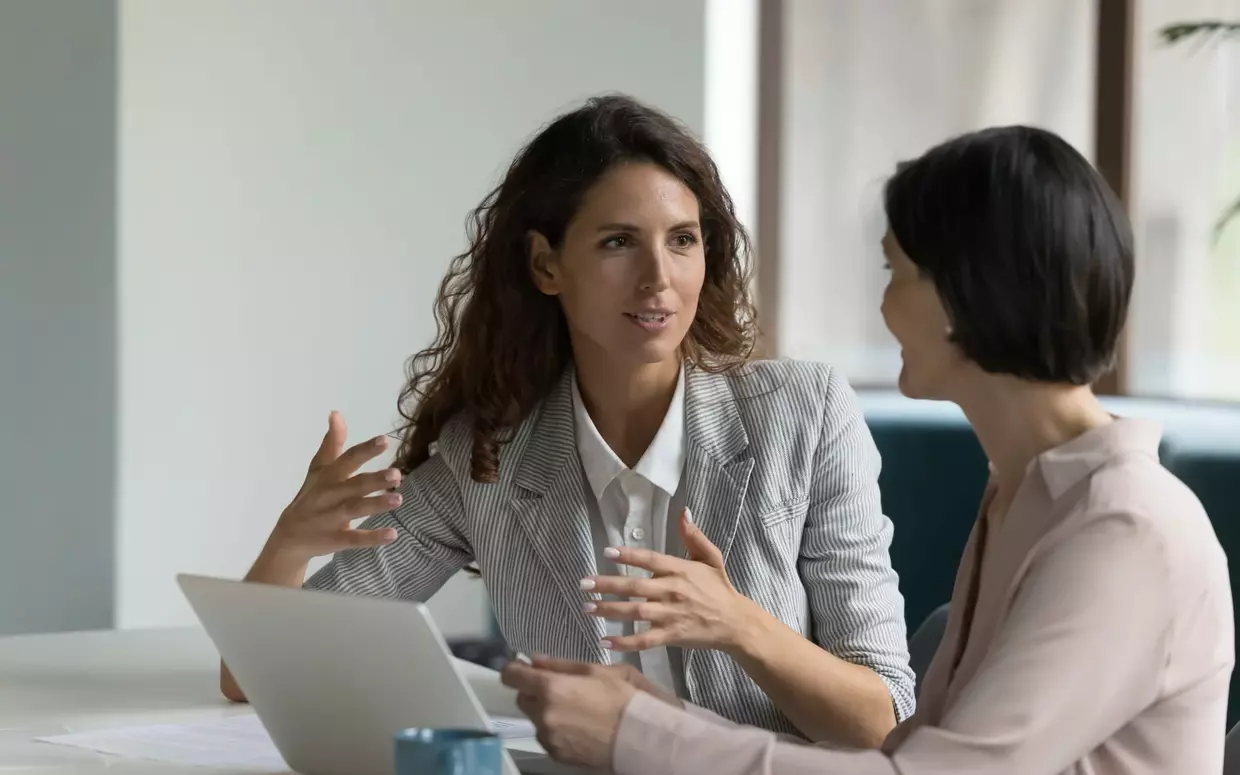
<point>82,681</point>
<point>75,682</point>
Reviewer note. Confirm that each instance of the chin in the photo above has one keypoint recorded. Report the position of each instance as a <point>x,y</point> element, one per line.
<point>649,355</point>
<point>655,350</point>
<point>904,385</point>
<point>912,387</point>
<point>632,355</point>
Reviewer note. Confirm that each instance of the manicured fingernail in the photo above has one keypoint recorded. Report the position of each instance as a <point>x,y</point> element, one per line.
<point>519,657</point>
<point>587,585</point>
<point>589,608</point>
<point>389,535</point>
<point>688,516</point>
<point>392,475</point>
<point>604,643</point>
<point>379,441</point>
<point>611,552</point>
<point>394,499</point>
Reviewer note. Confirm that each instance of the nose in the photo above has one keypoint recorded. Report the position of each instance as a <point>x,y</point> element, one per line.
<point>654,269</point>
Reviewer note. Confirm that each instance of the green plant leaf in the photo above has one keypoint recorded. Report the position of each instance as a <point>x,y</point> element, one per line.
<point>1204,32</point>
<point>1231,212</point>
<point>1201,30</point>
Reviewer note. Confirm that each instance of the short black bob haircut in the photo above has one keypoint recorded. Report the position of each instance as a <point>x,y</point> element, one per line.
<point>1029,249</point>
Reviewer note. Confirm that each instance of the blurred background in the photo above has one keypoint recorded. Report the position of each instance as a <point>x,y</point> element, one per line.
<point>220,219</point>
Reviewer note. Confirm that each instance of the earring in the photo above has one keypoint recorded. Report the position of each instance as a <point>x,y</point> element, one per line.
<point>949,330</point>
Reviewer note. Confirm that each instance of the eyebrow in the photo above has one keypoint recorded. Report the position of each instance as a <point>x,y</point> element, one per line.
<point>635,227</point>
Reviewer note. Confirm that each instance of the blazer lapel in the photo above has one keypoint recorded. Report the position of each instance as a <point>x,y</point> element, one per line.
<point>717,471</point>
<point>550,506</point>
<point>717,474</point>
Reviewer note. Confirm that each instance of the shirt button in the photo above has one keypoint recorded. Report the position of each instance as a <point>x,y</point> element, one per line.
<point>637,534</point>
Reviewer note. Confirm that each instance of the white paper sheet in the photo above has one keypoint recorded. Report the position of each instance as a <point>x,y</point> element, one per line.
<point>233,742</point>
<point>508,728</point>
<point>236,741</point>
<point>21,752</point>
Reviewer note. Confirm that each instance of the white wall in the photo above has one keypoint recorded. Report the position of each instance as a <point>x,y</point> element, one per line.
<point>869,84</point>
<point>57,314</point>
<point>731,100</point>
<point>293,180</point>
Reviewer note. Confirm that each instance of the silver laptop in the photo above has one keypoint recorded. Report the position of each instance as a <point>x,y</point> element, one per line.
<point>334,677</point>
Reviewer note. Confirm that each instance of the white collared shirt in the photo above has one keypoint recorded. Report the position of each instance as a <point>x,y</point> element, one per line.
<point>636,507</point>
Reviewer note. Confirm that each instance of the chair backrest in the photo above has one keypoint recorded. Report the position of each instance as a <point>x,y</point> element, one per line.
<point>925,643</point>
<point>1231,752</point>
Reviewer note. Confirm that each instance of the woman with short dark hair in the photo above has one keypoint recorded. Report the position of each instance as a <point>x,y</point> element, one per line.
<point>1027,249</point>
<point>1091,622</point>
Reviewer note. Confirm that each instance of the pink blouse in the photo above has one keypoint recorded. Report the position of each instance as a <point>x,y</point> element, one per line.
<point>1095,639</point>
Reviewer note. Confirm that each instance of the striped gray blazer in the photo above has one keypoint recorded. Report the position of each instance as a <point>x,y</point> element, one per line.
<point>782,476</point>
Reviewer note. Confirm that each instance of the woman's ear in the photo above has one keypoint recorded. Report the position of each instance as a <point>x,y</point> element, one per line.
<point>543,264</point>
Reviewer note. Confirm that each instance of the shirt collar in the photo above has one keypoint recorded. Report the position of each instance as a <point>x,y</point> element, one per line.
<point>661,464</point>
<point>1064,466</point>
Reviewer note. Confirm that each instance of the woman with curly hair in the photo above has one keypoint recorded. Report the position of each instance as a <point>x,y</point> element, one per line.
<point>590,428</point>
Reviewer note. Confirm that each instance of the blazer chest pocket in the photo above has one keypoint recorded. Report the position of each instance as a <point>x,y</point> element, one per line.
<point>787,512</point>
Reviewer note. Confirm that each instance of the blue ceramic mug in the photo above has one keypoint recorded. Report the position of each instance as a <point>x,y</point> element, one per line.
<point>448,752</point>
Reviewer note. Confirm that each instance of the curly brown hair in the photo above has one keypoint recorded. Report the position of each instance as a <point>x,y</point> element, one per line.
<point>502,345</point>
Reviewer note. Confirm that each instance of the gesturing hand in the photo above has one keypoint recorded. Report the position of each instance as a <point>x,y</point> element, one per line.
<point>319,520</point>
<point>687,602</point>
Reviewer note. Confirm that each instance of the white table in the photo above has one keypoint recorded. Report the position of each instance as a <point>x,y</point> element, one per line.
<point>73,682</point>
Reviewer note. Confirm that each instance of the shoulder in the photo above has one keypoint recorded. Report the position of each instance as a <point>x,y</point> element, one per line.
<point>1139,512</point>
<point>1140,537</point>
<point>453,452</point>
<point>1157,507</point>
<point>807,391</point>
<point>804,383</point>
<point>765,377</point>
<point>793,413</point>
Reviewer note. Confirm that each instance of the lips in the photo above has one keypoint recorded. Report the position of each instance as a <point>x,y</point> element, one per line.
<point>652,321</point>
<point>649,317</point>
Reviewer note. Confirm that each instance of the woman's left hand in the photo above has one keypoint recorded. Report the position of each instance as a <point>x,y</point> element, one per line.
<point>687,602</point>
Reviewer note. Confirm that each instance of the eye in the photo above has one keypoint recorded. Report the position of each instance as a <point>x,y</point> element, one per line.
<point>685,240</point>
<point>616,243</point>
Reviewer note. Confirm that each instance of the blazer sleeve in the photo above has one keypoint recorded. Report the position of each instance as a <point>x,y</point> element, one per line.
<point>1056,683</point>
<point>854,597</point>
<point>430,546</point>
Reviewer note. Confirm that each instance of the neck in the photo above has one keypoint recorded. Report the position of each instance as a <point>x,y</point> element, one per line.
<point>627,403</point>
<point>1016,420</point>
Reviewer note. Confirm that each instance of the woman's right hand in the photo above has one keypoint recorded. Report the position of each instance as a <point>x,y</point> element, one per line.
<point>319,520</point>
